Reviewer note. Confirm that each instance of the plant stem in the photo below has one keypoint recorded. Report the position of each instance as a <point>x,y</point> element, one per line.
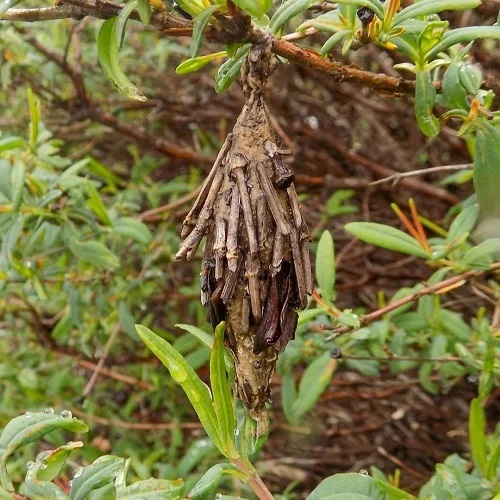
<point>254,481</point>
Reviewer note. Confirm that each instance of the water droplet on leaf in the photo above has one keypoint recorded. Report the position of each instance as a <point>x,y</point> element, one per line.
<point>78,472</point>
<point>48,410</point>
<point>28,414</point>
<point>363,473</point>
<point>66,414</point>
<point>30,464</point>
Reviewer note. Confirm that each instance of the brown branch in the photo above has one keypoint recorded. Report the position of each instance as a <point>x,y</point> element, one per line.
<point>135,426</point>
<point>143,136</point>
<point>440,287</point>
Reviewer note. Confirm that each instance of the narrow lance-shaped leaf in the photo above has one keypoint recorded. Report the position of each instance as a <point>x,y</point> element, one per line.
<point>425,98</point>
<point>144,9</point>
<point>107,51</point>
<point>287,11</point>
<point>386,237</point>
<point>98,474</point>
<point>223,402</point>
<point>121,21</point>
<point>487,170</point>
<point>426,7</point>
<point>17,184</point>
<point>477,438</point>
<point>315,380</point>
<point>195,63</point>
<point>229,71</point>
<point>256,8</point>
<point>199,24</point>
<point>325,266</point>
<point>482,255</point>
<point>94,253</point>
<point>183,374</point>
<point>464,35</point>
<point>207,486</point>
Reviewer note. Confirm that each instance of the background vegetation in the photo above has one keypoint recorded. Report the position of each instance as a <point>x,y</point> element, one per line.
<point>94,186</point>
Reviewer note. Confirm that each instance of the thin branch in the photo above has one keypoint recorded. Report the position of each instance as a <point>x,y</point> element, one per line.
<point>102,360</point>
<point>135,426</point>
<point>429,290</point>
<point>423,171</point>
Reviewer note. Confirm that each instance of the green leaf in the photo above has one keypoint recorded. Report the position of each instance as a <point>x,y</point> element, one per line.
<point>46,467</point>
<point>354,486</point>
<point>482,255</point>
<point>121,21</point>
<point>101,472</point>
<point>134,229</point>
<point>107,51</point>
<point>471,77</point>
<point>375,5</point>
<point>230,70</point>
<point>334,40</point>
<point>94,253</point>
<point>386,237</point>
<point>196,63</point>
<point>127,321</point>
<point>144,9</point>
<point>17,184</point>
<point>286,11</point>
<point>192,7</point>
<point>427,7</point>
<point>207,486</point>
<point>13,142</point>
<point>256,8</point>
<point>477,435</point>
<point>487,169</point>
<point>199,24</point>
<point>425,98</point>
<point>41,490</point>
<point>325,266</point>
<point>463,223</point>
<point>464,35</point>
<point>197,392</point>
<point>202,336</point>
<point>28,428</point>
<point>35,116</point>
<point>424,377</point>
<point>223,401</point>
<point>53,460</point>
<point>315,380</point>
<point>452,90</point>
<point>6,5</point>
<point>96,204</point>
<point>148,489</point>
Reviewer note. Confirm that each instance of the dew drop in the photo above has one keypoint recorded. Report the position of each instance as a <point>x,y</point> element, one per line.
<point>28,414</point>
<point>473,379</point>
<point>66,414</point>
<point>236,432</point>
<point>43,465</point>
<point>77,472</point>
<point>49,410</point>
<point>30,464</point>
<point>70,483</point>
<point>363,473</point>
